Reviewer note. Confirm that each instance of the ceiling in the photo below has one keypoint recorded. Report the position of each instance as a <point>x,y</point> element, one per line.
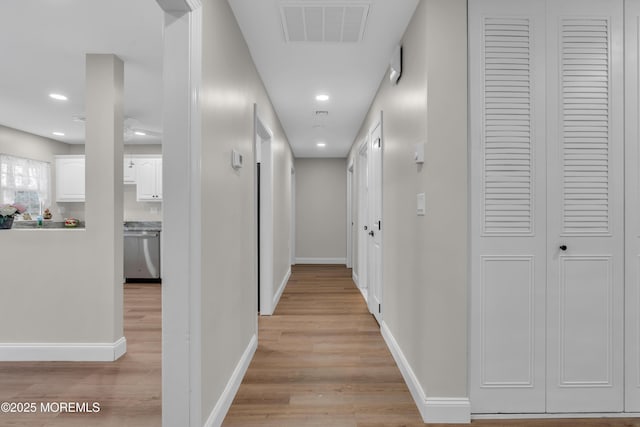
<point>43,45</point>
<point>341,48</point>
<point>319,60</point>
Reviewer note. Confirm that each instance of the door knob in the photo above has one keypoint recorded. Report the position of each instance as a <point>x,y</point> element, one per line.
<point>563,247</point>
<point>371,233</point>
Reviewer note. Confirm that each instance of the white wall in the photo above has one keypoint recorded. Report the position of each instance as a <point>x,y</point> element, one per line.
<point>61,289</point>
<point>321,210</point>
<point>425,258</point>
<point>282,163</point>
<point>30,146</point>
<point>230,87</point>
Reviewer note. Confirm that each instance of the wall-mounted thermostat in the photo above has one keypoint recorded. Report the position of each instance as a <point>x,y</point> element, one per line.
<point>237,160</point>
<point>418,155</point>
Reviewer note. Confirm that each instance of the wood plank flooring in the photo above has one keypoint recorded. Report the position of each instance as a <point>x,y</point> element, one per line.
<point>321,361</point>
<point>128,390</point>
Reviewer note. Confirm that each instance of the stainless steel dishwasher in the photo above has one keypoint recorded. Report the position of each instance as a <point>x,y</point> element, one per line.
<point>141,255</point>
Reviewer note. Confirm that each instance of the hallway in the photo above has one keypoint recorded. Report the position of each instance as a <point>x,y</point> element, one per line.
<point>322,361</point>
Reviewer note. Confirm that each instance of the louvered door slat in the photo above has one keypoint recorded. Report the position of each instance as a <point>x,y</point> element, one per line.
<point>507,127</point>
<point>585,133</point>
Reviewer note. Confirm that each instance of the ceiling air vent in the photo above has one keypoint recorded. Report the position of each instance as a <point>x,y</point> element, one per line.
<point>318,22</point>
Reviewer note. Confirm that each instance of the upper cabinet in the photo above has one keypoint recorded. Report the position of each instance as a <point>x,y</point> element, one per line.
<point>149,179</point>
<point>70,178</point>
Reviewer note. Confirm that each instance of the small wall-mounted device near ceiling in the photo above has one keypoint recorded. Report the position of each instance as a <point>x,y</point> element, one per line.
<point>395,65</point>
<point>324,21</point>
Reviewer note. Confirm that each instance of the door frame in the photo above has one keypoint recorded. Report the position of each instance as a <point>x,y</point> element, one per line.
<point>292,222</point>
<point>375,197</point>
<point>363,218</point>
<point>349,215</point>
<point>632,206</point>
<point>264,209</point>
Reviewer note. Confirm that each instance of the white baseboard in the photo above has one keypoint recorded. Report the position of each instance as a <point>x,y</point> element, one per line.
<point>434,409</point>
<point>545,416</point>
<point>365,295</point>
<point>354,277</point>
<point>283,284</point>
<point>448,410</point>
<point>63,352</point>
<point>321,261</point>
<point>224,403</point>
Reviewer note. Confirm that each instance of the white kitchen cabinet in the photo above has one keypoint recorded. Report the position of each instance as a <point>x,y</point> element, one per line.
<point>149,179</point>
<point>129,170</point>
<point>70,172</point>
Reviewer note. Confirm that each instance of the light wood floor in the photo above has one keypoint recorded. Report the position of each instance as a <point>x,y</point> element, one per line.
<point>321,361</point>
<point>128,390</point>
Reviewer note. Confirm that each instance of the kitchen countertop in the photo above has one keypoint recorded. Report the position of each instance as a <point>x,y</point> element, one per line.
<point>142,226</point>
<point>128,225</point>
<point>46,224</point>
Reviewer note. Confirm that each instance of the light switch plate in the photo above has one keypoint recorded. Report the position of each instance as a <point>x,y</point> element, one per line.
<point>421,203</point>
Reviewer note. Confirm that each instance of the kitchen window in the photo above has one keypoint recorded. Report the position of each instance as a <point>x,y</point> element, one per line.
<point>25,181</point>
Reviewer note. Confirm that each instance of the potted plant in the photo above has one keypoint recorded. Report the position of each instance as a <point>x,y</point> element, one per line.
<point>8,212</point>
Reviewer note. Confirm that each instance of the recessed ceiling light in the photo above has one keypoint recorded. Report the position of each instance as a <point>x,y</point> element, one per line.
<point>58,97</point>
<point>322,97</point>
<point>58,133</point>
<point>321,144</point>
<point>140,133</point>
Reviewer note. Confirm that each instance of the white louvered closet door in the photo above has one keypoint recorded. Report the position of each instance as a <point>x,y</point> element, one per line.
<point>508,209</point>
<point>547,285</point>
<point>585,281</point>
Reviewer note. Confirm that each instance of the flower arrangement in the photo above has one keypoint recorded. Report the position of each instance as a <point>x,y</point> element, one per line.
<point>9,211</point>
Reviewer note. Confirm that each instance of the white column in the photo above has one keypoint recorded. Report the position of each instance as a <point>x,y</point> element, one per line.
<point>104,199</point>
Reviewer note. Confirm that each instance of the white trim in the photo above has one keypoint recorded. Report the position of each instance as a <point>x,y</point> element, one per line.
<point>119,348</point>
<point>63,352</point>
<point>182,211</point>
<point>354,277</point>
<point>554,416</point>
<point>365,295</point>
<point>341,261</point>
<point>349,261</point>
<point>263,137</point>
<point>446,410</point>
<point>292,223</point>
<point>276,297</point>
<point>219,411</point>
<point>417,392</point>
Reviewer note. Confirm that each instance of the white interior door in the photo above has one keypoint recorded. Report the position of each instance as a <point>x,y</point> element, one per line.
<point>363,218</point>
<point>632,205</point>
<point>508,209</point>
<point>585,283</point>
<point>547,285</point>
<point>375,222</point>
